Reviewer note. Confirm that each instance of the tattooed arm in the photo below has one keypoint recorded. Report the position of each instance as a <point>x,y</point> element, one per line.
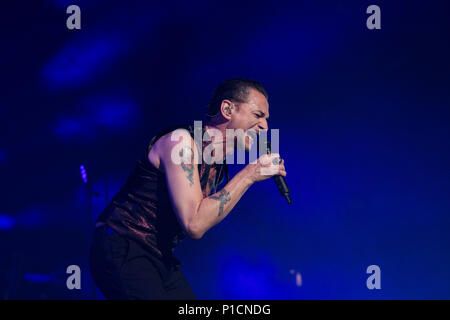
<point>216,207</point>
<point>195,213</point>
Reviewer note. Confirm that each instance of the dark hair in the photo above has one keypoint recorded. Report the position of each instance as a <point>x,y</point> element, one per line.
<point>236,89</point>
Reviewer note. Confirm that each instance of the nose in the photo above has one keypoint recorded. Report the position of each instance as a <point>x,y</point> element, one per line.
<point>263,125</point>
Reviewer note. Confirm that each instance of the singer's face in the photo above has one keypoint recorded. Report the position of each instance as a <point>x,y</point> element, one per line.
<point>252,114</point>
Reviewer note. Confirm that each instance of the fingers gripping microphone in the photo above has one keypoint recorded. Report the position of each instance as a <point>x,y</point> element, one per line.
<point>280,181</point>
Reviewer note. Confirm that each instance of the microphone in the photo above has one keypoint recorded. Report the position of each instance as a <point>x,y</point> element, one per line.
<point>280,181</point>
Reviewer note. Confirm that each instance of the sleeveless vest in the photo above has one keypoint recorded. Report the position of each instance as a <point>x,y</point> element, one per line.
<point>142,209</point>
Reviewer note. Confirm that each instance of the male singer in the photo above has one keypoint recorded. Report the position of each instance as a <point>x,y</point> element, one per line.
<point>164,200</point>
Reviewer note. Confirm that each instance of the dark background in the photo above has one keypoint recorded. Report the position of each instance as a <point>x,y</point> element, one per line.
<point>364,128</point>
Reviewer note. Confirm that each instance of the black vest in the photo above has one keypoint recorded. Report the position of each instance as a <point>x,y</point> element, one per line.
<point>142,209</point>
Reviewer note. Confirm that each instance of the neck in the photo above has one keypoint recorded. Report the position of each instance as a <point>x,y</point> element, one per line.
<point>216,140</point>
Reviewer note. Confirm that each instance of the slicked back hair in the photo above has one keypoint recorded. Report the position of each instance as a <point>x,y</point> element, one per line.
<point>236,89</point>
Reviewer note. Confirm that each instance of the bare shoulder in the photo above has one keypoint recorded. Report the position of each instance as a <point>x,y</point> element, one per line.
<point>164,145</point>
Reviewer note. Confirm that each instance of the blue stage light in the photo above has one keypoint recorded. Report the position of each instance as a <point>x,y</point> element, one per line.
<point>6,222</point>
<point>80,61</point>
<point>83,174</point>
<point>37,278</point>
<point>112,111</point>
<point>69,127</point>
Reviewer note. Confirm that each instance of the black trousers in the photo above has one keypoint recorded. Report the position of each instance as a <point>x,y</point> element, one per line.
<point>124,270</point>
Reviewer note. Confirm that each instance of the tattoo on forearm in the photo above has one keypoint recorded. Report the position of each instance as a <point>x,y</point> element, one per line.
<point>189,166</point>
<point>224,197</point>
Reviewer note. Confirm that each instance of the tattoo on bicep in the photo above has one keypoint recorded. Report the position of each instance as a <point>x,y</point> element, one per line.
<point>224,197</point>
<point>188,164</point>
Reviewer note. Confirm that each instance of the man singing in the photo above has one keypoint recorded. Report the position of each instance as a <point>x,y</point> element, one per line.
<point>164,200</point>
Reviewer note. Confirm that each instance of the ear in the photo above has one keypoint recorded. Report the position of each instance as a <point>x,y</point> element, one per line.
<point>226,109</point>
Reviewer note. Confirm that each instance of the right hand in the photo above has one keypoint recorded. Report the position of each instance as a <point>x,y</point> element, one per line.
<point>265,167</point>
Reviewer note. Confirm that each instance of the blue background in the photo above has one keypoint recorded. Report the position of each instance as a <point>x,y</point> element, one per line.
<point>364,128</point>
